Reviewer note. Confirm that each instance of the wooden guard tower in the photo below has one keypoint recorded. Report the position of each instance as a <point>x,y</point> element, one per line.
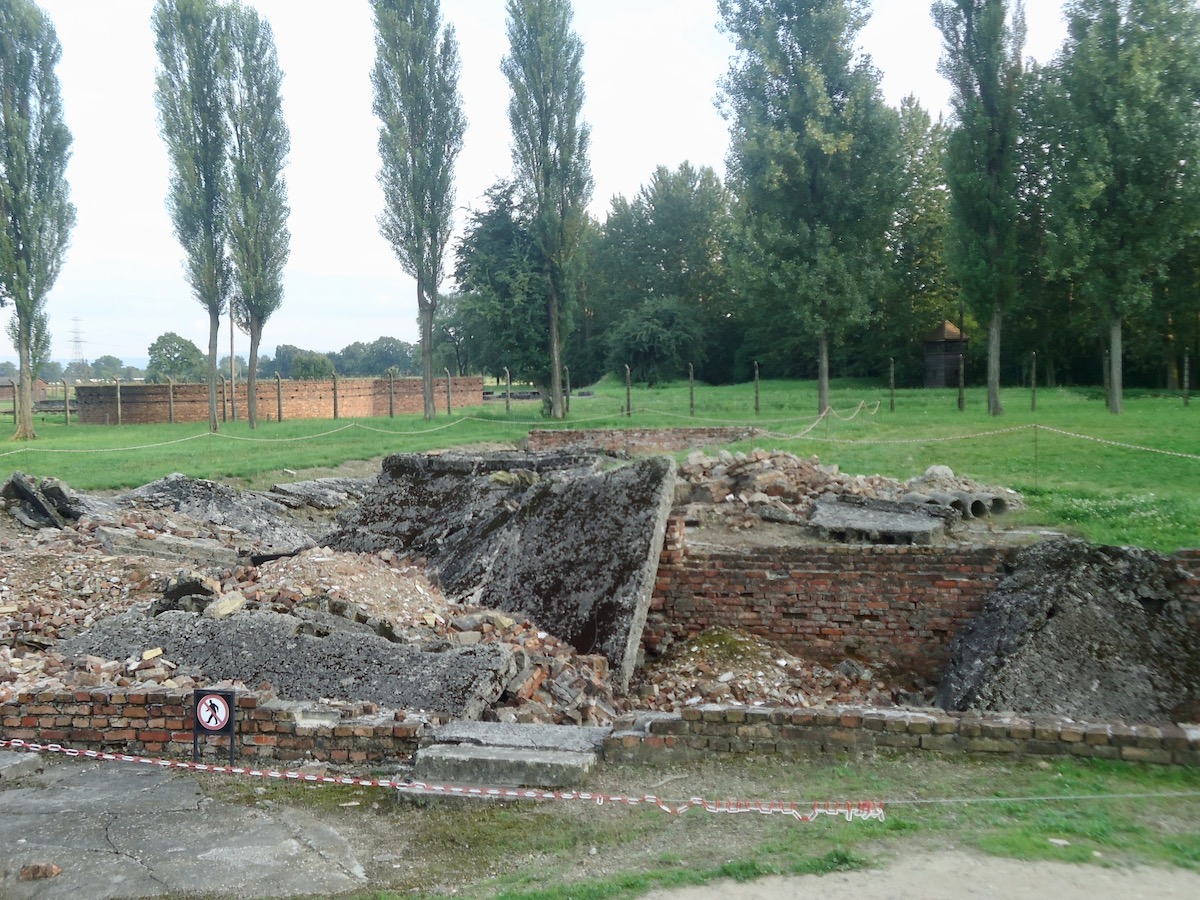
<point>943,350</point>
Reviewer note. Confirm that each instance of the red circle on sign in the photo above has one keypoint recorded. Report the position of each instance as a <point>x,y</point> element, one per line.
<point>212,712</point>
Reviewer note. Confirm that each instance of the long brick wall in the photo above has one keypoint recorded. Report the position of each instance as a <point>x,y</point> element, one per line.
<point>635,440</point>
<point>142,404</point>
<point>705,731</point>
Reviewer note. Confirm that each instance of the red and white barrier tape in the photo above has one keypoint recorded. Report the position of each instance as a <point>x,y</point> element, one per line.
<point>865,810</point>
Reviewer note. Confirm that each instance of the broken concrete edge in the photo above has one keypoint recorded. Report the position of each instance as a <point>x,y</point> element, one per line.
<point>647,577</point>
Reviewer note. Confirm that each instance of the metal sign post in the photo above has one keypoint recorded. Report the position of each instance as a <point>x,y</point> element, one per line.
<point>214,714</point>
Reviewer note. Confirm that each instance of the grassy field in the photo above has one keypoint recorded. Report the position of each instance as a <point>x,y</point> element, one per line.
<point>1075,811</point>
<point>1128,479</point>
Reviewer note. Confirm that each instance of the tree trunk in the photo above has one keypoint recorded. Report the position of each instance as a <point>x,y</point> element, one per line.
<point>993,365</point>
<point>214,326</point>
<point>556,395</point>
<point>823,374</point>
<point>425,308</point>
<point>24,401</point>
<point>1117,401</point>
<point>252,374</point>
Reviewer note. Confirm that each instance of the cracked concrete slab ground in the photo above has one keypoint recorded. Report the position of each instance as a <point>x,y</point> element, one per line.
<point>124,831</point>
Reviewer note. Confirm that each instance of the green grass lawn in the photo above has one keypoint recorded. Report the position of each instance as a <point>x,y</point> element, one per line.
<point>1128,479</point>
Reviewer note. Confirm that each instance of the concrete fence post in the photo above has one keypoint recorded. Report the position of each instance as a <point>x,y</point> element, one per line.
<point>335,395</point>
<point>892,383</point>
<point>170,400</point>
<point>962,382</point>
<point>507,390</point>
<point>567,374</point>
<point>691,390</point>
<point>449,407</point>
<point>1033,382</point>
<point>756,406</point>
<point>391,394</point>
<point>67,401</point>
<point>117,382</point>
<point>224,399</point>
<point>628,392</point>
<point>278,398</point>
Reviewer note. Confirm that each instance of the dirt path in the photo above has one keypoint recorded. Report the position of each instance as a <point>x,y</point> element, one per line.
<point>953,875</point>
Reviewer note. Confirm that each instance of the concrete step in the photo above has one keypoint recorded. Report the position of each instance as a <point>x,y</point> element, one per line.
<point>508,755</point>
<point>470,764</point>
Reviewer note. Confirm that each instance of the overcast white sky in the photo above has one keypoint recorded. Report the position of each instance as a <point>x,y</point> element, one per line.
<point>650,71</point>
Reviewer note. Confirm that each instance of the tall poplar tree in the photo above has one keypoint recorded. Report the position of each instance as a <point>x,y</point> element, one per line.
<point>981,58</point>
<point>188,41</point>
<point>36,214</point>
<point>815,165</point>
<point>420,135</point>
<point>1129,196</point>
<point>544,68</point>
<point>258,211</point>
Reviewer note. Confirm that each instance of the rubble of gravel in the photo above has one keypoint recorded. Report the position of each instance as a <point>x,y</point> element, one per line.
<point>1082,631</point>
<point>723,666</point>
<point>742,490</point>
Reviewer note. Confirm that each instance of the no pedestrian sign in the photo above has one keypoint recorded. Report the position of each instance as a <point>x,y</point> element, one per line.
<point>214,714</point>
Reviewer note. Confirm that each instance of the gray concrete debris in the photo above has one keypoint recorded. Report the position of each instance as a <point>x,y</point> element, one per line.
<point>262,520</point>
<point>1083,631</point>
<point>860,520</point>
<point>194,551</point>
<point>321,493</point>
<point>310,657</point>
<point>522,737</point>
<point>543,535</point>
<point>501,766</point>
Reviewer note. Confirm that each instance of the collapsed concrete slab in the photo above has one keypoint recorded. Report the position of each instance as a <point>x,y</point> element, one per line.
<point>549,536</point>
<point>1082,631</point>
<point>863,520</point>
<point>311,657</point>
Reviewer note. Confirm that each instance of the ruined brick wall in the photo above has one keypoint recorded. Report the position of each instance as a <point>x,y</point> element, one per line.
<point>141,404</point>
<point>635,440</point>
<point>159,722</point>
<point>705,731</point>
<point>894,605</point>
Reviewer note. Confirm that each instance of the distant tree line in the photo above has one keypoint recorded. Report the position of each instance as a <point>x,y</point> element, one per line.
<point>1056,211</point>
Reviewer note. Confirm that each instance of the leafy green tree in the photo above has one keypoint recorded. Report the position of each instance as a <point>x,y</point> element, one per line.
<point>50,371</point>
<point>1129,197</point>
<point>656,340</point>
<point>35,209</point>
<point>919,295</point>
<point>308,365</point>
<point>77,370</point>
<point>672,241</point>
<point>188,92</point>
<point>814,163</point>
<point>544,69</point>
<point>982,60</point>
<point>174,357</point>
<point>258,211</point>
<point>107,367</point>
<point>503,289</point>
<point>9,370</point>
<point>421,133</point>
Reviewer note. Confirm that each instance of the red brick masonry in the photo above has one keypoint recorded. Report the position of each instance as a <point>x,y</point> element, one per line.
<point>143,404</point>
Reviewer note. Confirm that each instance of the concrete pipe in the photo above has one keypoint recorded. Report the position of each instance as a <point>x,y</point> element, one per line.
<point>919,499</point>
<point>976,506</point>
<point>953,502</point>
<point>997,506</point>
